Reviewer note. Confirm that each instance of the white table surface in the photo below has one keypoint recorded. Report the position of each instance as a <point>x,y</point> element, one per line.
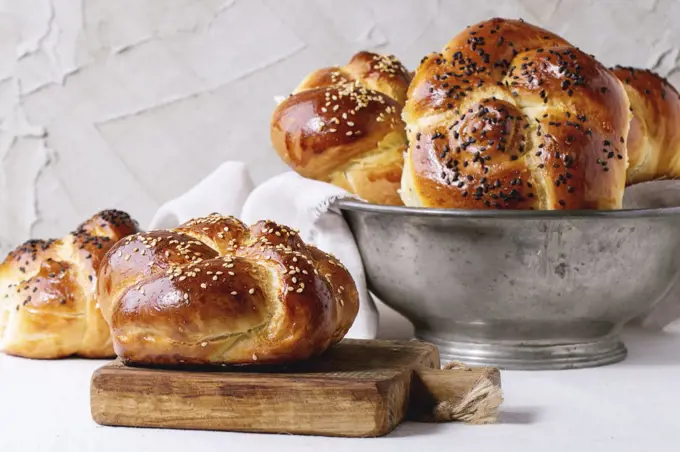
<point>630,406</point>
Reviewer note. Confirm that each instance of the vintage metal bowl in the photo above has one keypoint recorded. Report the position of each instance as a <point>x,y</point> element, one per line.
<point>519,289</point>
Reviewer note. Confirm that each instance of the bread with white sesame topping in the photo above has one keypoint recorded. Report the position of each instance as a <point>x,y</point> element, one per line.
<point>343,125</point>
<point>216,292</point>
<point>511,116</point>
<point>48,308</point>
<point>654,136</point>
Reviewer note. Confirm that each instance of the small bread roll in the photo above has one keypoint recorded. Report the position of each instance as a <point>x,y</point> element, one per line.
<point>216,292</point>
<point>654,136</point>
<point>47,292</point>
<point>343,125</point>
<point>511,116</point>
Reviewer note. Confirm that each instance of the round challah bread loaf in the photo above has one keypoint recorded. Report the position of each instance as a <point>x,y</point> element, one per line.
<point>343,125</point>
<point>654,136</point>
<point>47,292</point>
<point>214,291</point>
<point>512,116</point>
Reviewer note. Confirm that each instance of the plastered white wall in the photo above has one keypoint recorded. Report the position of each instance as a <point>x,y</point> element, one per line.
<point>127,103</point>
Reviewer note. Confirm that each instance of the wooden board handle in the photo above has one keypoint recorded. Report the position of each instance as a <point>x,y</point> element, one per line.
<point>455,393</point>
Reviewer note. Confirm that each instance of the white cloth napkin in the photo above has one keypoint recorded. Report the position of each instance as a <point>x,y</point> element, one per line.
<point>653,195</point>
<point>288,199</point>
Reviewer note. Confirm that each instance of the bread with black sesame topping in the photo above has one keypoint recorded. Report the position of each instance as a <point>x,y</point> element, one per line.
<point>48,308</point>
<point>511,116</point>
<point>214,291</point>
<point>343,125</point>
<point>654,136</point>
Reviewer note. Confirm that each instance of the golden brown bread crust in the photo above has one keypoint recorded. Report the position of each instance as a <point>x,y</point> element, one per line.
<point>343,125</point>
<point>654,136</point>
<point>215,292</point>
<point>47,292</point>
<point>511,116</point>
<point>382,73</point>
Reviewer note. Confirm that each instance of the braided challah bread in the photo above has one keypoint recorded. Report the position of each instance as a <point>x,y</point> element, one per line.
<point>512,116</point>
<point>47,292</point>
<point>215,292</point>
<point>343,125</point>
<point>654,136</point>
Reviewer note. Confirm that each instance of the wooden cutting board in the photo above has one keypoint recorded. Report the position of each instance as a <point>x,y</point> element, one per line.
<point>358,388</point>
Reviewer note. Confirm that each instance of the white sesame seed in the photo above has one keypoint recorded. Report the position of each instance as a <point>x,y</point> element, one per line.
<point>234,293</point>
<point>204,286</point>
<point>204,344</point>
<point>251,291</point>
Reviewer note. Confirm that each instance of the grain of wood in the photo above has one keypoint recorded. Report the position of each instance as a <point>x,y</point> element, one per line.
<point>358,389</point>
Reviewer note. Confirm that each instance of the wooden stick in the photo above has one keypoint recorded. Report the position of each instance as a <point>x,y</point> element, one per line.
<point>455,393</point>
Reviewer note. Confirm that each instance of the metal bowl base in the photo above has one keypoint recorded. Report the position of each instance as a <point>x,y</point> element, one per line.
<point>514,355</point>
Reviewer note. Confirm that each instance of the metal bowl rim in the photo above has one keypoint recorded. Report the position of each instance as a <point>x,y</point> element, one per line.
<point>361,206</point>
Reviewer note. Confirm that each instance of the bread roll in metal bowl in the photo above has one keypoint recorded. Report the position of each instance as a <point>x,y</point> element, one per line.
<point>512,116</point>
<point>654,137</point>
<point>343,125</point>
<point>519,289</point>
